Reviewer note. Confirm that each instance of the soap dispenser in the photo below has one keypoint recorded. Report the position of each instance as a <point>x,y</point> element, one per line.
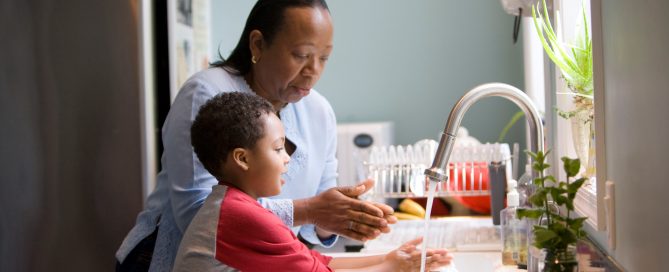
<point>514,230</point>
<point>525,186</point>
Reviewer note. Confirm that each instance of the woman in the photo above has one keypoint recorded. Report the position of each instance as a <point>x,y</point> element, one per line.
<point>280,57</point>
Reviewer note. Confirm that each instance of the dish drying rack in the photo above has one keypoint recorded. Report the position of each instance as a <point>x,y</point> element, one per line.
<point>398,170</point>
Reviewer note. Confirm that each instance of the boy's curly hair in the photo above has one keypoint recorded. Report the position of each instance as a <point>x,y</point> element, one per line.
<point>225,122</point>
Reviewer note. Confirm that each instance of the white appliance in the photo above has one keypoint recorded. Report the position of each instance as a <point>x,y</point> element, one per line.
<point>354,142</point>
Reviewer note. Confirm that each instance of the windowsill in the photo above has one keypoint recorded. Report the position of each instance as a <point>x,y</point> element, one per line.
<point>586,201</point>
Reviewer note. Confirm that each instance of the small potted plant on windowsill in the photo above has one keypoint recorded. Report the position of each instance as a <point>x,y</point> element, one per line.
<point>574,60</point>
<point>554,230</point>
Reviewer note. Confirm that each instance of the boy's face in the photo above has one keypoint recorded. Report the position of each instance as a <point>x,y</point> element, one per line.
<point>267,160</point>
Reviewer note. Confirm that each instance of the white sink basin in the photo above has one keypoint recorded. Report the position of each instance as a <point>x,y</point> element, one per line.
<point>475,262</point>
<point>473,241</point>
<point>462,261</point>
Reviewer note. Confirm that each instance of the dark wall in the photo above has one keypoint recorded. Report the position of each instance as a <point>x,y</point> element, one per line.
<point>70,169</point>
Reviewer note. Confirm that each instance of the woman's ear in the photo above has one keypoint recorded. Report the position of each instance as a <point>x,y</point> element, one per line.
<point>240,157</point>
<point>256,41</point>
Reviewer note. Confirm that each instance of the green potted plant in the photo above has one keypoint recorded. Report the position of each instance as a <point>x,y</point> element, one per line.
<point>554,230</point>
<point>574,60</point>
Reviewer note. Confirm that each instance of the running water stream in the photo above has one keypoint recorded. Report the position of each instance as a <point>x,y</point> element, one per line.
<point>426,228</point>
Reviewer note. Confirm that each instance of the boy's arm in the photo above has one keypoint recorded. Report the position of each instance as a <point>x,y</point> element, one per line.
<point>367,263</point>
<point>405,258</point>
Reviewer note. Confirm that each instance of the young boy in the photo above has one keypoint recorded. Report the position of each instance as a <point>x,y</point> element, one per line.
<point>240,141</point>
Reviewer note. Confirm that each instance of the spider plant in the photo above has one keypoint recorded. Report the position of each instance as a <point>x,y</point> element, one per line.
<point>573,59</point>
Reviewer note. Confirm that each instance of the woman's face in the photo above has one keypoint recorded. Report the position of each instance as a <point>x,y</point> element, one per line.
<point>267,160</point>
<point>289,66</point>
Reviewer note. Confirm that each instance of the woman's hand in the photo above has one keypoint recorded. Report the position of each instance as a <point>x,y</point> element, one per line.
<point>407,257</point>
<point>338,210</point>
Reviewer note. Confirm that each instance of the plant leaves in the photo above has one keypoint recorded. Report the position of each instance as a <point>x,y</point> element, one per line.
<point>529,213</point>
<point>576,223</point>
<point>561,200</point>
<point>543,235</point>
<point>551,178</point>
<point>561,188</point>
<point>558,218</point>
<point>538,198</point>
<point>574,186</point>
<point>569,204</point>
<point>557,227</point>
<point>571,166</point>
<point>543,167</point>
<point>553,192</point>
<point>568,236</point>
<point>573,60</point>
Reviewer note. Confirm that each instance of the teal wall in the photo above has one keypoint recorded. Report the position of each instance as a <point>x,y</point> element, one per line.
<point>409,62</point>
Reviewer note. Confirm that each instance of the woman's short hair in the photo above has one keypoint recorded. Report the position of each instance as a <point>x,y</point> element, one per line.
<point>267,16</point>
<point>225,122</point>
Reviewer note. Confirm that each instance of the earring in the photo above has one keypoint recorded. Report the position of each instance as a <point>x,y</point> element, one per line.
<point>254,60</point>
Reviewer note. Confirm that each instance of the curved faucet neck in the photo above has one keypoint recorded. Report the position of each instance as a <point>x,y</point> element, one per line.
<point>457,113</point>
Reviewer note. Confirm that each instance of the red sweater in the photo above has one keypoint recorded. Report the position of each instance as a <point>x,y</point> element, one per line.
<point>248,237</point>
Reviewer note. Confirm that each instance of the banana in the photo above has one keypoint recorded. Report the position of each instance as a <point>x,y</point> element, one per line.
<point>411,207</point>
<point>406,216</point>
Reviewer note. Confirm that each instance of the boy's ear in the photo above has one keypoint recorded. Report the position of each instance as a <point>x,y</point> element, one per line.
<point>240,156</point>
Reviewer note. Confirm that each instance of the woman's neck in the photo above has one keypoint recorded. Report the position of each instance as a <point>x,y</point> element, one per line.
<point>257,89</point>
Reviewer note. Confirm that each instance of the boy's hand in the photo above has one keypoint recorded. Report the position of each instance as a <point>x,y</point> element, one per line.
<point>407,257</point>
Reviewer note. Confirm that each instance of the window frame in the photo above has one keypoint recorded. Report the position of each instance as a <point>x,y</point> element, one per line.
<point>588,202</point>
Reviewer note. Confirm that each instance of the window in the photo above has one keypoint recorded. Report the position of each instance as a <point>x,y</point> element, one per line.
<point>561,139</point>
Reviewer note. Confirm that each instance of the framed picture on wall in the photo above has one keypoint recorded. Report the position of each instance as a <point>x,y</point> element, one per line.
<point>189,27</point>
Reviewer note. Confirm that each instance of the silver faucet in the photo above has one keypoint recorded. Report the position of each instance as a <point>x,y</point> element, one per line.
<point>440,163</point>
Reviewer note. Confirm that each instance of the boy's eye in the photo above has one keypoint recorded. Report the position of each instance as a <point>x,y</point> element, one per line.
<point>279,149</point>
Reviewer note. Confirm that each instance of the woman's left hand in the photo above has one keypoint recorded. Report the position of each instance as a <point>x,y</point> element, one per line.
<point>338,210</point>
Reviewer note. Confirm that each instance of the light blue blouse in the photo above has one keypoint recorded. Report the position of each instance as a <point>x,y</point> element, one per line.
<point>184,183</point>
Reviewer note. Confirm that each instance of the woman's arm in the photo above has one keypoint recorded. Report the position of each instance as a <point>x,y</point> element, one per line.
<point>336,209</point>
<point>189,182</point>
